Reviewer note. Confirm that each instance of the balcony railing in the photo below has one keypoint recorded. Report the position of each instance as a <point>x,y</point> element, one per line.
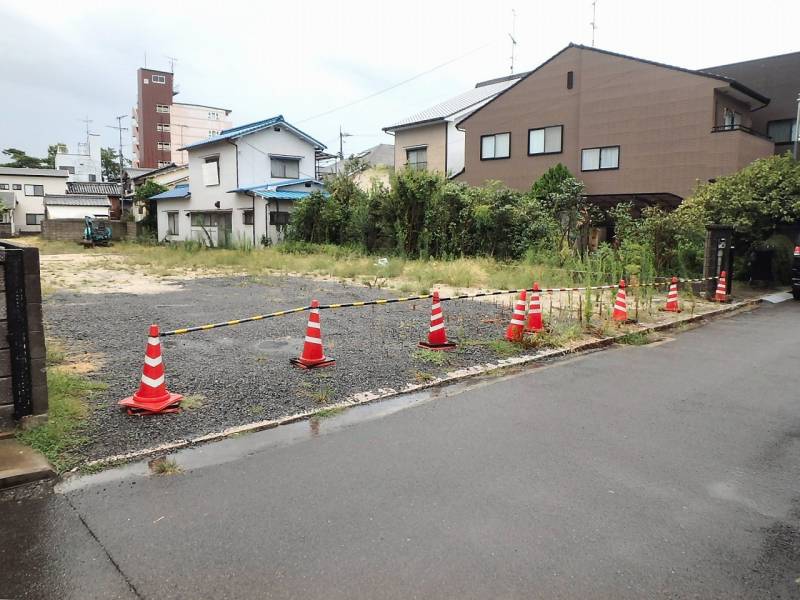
<point>720,128</point>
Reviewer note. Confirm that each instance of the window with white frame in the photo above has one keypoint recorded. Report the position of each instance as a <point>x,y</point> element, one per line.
<point>417,158</point>
<point>211,171</point>
<point>3,186</point>
<point>16,186</point>
<point>213,132</point>
<point>34,190</point>
<point>600,159</point>
<point>163,163</point>
<point>159,79</point>
<point>173,228</point>
<point>247,217</point>
<point>162,108</point>
<point>163,146</point>
<point>213,115</point>
<point>284,168</point>
<point>545,140</point>
<point>497,145</point>
<point>33,219</point>
<point>5,217</point>
<point>162,127</point>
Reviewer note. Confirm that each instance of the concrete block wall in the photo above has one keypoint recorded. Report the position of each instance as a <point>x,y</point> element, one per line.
<point>71,230</point>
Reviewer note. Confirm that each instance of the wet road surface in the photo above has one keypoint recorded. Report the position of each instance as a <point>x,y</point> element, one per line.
<point>662,471</point>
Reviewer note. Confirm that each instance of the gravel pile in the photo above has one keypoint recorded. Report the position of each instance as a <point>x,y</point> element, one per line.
<point>242,374</point>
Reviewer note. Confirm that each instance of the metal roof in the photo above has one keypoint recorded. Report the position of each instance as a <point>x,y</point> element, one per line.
<point>277,184</point>
<point>33,172</point>
<point>452,106</point>
<point>243,130</point>
<point>94,187</point>
<point>179,191</point>
<point>283,195</point>
<point>75,200</point>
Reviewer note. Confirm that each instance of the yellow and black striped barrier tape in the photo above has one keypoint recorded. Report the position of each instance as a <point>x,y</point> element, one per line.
<point>281,313</point>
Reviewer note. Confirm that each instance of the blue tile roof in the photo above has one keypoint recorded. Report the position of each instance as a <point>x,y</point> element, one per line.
<point>242,130</point>
<point>179,191</point>
<point>277,184</point>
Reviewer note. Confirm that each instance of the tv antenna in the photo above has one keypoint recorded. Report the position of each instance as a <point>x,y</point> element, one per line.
<point>594,20</point>
<point>172,60</point>
<point>511,35</point>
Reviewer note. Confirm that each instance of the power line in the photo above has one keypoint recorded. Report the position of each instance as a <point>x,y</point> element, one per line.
<point>396,85</point>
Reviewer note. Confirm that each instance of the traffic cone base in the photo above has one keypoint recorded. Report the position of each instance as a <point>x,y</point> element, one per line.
<point>303,363</point>
<point>517,325</point>
<point>534,323</point>
<point>620,313</point>
<point>136,406</point>
<point>672,298</point>
<point>444,347</point>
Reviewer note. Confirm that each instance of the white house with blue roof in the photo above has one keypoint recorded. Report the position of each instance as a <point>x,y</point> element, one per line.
<point>243,184</point>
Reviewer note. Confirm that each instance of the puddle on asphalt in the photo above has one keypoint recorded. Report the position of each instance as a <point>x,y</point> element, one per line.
<point>246,444</point>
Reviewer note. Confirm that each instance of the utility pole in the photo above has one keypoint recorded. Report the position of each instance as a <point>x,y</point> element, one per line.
<point>120,129</point>
<point>796,128</point>
<point>594,20</point>
<point>342,135</point>
<point>513,39</point>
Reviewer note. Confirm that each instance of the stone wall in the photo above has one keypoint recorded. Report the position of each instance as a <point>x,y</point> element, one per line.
<point>33,351</point>
<point>71,230</point>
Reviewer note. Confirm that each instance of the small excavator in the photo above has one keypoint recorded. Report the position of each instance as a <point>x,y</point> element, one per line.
<point>95,234</point>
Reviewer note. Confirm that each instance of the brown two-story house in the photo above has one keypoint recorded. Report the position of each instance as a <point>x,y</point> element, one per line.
<point>631,129</point>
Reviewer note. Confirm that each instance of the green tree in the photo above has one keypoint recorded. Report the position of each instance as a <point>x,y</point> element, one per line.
<point>20,159</point>
<point>143,193</point>
<point>563,196</point>
<point>109,162</point>
<point>52,150</point>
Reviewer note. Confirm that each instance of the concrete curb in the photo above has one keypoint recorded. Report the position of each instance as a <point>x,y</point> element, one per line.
<point>384,393</point>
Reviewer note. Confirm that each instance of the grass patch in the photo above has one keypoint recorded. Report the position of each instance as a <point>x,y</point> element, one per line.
<point>56,353</point>
<point>329,412</point>
<point>165,466</point>
<point>63,433</point>
<point>637,338</point>
<point>431,357</point>
<point>423,376</point>
<point>193,401</point>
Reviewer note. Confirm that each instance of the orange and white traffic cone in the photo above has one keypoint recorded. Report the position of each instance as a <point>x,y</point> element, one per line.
<point>312,356</point>
<point>517,324</point>
<point>152,396</point>
<point>535,312</point>
<point>437,336</point>
<point>672,297</point>
<point>621,305</point>
<point>722,288</point>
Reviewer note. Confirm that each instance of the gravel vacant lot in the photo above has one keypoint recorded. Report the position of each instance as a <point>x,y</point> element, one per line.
<point>242,374</point>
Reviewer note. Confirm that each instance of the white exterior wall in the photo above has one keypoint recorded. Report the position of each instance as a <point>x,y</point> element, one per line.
<point>85,162</point>
<point>456,146</point>
<point>32,204</point>
<point>76,212</point>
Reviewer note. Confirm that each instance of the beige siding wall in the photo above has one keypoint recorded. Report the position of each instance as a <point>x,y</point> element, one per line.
<point>661,119</point>
<point>433,136</point>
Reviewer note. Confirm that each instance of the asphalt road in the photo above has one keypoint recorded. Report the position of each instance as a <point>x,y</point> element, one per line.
<point>661,471</point>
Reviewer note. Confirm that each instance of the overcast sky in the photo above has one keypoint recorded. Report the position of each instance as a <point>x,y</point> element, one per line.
<point>63,61</point>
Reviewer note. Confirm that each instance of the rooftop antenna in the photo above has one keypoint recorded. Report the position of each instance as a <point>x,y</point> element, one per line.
<point>87,120</point>
<point>342,135</point>
<point>594,20</point>
<point>511,35</point>
<point>172,61</point>
<point>120,129</point>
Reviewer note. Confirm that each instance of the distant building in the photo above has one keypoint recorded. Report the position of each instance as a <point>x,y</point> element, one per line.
<point>102,194</point>
<point>82,165</point>
<point>161,126</point>
<point>430,139</point>
<point>23,193</point>
<point>377,165</point>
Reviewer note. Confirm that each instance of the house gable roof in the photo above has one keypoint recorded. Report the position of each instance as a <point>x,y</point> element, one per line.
<point>179,191</point>
<point>250,128</point>
<point>75,200</point>
<point>452,106</point>
<point>732,82</point>
<point>94,187</point>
